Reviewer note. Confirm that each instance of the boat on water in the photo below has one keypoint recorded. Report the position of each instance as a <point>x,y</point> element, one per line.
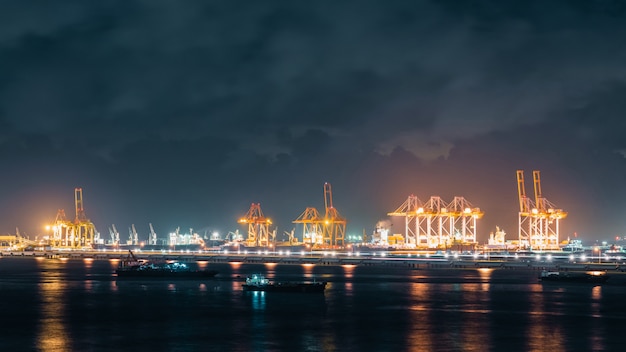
<point>133,267</point>
<point>596,277</point>
<point>258,282</point>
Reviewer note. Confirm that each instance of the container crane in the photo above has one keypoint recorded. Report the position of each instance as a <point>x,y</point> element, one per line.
<point>311,226</point>
<point>548,216</point>
<point>539,220</point>
<point>258,226</point>
<point>463,218</point>
<point>410,211</point>
<point>334,226</point>
<point>152,240</point>
<point>84,229</point>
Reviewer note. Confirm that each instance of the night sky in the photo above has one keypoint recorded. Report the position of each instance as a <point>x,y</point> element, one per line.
<point>183,113</point>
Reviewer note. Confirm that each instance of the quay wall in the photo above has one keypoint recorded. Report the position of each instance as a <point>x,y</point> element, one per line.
<point>321,259</point>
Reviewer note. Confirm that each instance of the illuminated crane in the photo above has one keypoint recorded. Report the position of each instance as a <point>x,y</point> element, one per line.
<point>133,236</point>
<point>152,240</point>
<point>311,226</point>
<point>258,226</point>
<point>409,210</point>
<point>462,220</point>
<point>526,221</point>
<point>84,229</point>
<point>334,226</point>
<point>547,217</point>
<point>538,220</point>
<point>79,233</point>
<point>432,223</point>
<point>62,230</point>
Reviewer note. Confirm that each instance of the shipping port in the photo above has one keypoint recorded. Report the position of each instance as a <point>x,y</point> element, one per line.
<point>434,229</point>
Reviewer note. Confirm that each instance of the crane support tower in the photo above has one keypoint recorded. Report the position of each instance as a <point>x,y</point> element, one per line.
<point>410,211</point>
<point>463,220</point>
<point>311,226</point>
<point>258,226</point>
<point>323,232</point>
<point>84,229</point>
<point>539,221</point>
<point>334,226</point>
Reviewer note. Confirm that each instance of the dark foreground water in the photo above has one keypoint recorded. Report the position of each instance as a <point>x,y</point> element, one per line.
<point>76,305</point>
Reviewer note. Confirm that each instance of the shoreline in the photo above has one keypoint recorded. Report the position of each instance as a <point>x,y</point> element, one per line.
<point>331,260</point>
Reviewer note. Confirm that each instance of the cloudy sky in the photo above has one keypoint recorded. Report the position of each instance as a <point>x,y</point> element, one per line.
<point>183,113</point>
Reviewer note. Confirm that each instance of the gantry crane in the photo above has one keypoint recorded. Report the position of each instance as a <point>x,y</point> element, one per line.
<point>548,216</point>
<point>62,230</point>
<point>334,226</point>
<point>133,236</point>
<point>538,220</point>
<point>79,233</point>
<point>84,229</point>
<point>436,224</point>
<point>258,226</point>
<point>463,218</point>
<point>152,240</point>
<point>311,226</point>
<point>432,220</point>
<point>327,231</point>
<point>409,210</point>
<point>526,222</point>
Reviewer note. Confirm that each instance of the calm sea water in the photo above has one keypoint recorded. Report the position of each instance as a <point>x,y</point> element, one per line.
<point>76,305</point>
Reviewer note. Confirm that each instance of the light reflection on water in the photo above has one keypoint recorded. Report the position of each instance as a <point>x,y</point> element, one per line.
<point>52,334</point>
<point>363,308</point>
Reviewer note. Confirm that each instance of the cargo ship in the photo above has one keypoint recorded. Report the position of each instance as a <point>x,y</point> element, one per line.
<point>133,267</point>
<point>596,277</point>
<point>258,282</point>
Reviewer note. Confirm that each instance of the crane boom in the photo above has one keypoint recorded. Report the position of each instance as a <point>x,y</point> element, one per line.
<point>537,185</point>
<point>521,191</point>
<point>328,196</point>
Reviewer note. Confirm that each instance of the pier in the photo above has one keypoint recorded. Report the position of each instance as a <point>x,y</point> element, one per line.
<point>337,259</point>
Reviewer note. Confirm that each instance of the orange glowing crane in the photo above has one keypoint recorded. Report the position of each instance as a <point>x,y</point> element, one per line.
<point>62,230</point>
<point>84,229</point>
<point>258,226</point>
<point>334,226</point>
<point>547,216</point>
<point>538,220</point>
<point>526,221</point>
<point>311,226</point>
<point>79,233</point>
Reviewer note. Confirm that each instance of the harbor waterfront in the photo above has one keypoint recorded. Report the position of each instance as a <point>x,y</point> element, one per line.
<point>75,302</point>
<point>329,258</point>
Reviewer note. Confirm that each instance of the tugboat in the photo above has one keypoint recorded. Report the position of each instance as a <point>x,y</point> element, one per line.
<point>133,267</point>
<point>596,277</point>
<point>258,282</point>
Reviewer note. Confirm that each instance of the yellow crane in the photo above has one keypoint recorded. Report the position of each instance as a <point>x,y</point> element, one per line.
<point>334,226</point>
<point>258,226</point>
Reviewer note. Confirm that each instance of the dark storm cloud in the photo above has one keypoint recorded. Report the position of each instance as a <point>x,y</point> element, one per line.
<point>234,102</point>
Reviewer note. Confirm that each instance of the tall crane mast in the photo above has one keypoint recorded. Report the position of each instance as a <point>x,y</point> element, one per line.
<point>258,226</point>
<point>116,235</point>
<point>334,227</point>
<point>134,237</point>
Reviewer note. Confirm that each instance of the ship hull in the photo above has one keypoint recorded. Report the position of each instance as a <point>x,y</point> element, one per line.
<point>302,287</point>
<point>568,277</point>
<point>162,273</point>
